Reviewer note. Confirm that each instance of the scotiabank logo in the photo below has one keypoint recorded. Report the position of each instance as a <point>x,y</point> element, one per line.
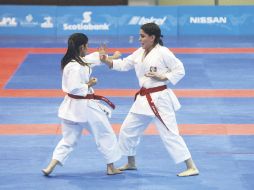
<point>87,17</point>
<point>86,24</point>
<point>138,20</point>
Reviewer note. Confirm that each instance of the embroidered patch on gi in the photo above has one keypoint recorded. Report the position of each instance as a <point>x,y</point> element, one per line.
<point>153,69</point>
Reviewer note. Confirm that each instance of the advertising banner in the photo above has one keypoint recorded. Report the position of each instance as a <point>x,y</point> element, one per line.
<point>219,20</point>
<point>114,23</point>
<point>28,20</point>
<point>121,24</point>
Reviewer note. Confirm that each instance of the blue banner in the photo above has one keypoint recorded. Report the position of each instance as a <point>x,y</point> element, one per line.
<point>122,23</point>
<point>28,20</point>
<point>219,20</point>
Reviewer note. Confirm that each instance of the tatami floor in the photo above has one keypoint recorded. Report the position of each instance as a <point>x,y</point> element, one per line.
<point>216,120</point>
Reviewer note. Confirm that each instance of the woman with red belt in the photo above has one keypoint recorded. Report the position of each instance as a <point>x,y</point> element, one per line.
<point>81,108</point>
<point>155,67</point>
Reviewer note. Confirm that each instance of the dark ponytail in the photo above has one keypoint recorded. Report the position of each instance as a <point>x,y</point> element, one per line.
<point>73,50</point>
<point>153,29</point>
<point>160,40</point>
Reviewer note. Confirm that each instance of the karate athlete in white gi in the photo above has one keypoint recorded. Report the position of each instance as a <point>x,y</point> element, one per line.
<point>81,108</point>
<point>155,66</point>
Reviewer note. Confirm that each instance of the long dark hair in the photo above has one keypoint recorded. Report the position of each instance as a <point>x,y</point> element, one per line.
<point>153,29</point>
<point>73,51</point>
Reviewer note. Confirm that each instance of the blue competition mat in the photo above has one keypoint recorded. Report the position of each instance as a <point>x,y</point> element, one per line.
<point>194,110</point>
<point>224,163</point>
<point>203,71</point>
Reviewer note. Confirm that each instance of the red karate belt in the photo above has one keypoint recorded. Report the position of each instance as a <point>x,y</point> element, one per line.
<point>147,92</point>
<point>95,97</point>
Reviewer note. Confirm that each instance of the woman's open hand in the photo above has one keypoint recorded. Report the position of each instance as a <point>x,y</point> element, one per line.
<point>116,55</point>
<point>103,52</point>
<point>156,76</point>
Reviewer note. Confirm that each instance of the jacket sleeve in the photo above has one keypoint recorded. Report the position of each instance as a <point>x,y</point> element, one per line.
<point>176,69</point>
<point>125,64</point>
<point>72,82</point>
<point>93,59</point>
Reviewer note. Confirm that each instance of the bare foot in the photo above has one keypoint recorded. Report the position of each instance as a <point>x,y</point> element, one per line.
<point>46,171</point>
<point>128,167</point>
<point>113,171</point>
<point>189,172</point>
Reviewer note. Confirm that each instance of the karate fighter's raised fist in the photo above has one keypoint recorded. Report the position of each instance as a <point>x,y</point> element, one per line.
<point>156,76</point>
<point>92,81</point>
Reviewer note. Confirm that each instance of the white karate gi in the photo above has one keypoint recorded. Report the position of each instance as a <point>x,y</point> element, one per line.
<point>77,114</point>
<point>140,115</point>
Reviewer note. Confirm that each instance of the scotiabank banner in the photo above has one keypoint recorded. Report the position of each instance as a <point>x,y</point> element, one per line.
<point>118,21</point>
<point>114,20</point>
<point>114,23</point>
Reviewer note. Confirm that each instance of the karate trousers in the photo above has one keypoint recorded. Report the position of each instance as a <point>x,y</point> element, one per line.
<point>135,124</point>
<point>98,125</point>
